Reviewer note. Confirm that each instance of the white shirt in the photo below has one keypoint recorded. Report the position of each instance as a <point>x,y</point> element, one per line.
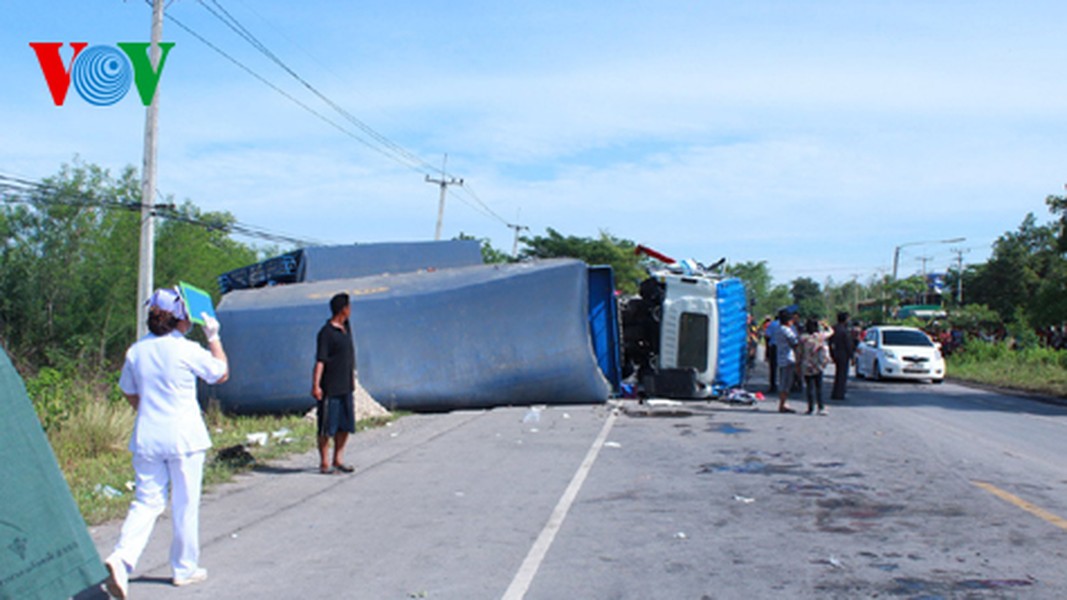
<point>162,371</point>
<point>786,339</point>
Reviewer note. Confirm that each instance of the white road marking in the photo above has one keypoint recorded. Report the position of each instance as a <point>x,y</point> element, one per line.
<point>524,577</point>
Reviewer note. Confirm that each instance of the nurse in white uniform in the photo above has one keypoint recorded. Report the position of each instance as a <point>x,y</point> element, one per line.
<point>170,439</point>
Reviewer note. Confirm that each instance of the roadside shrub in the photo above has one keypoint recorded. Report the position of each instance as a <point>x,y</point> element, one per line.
<point>55,396</point>
<point>977,350</point>
<point>98,428</point>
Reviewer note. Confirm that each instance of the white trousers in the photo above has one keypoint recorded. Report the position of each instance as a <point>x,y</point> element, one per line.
<point>184,475</point>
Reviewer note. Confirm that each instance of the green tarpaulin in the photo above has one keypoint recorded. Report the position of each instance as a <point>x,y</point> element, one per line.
<point>45,549</point>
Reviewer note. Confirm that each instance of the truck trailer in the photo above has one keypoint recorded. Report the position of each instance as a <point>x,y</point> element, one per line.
<point>441,331</point>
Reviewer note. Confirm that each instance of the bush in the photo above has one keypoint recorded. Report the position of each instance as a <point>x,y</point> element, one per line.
<point>1034,368</point>
<point>979,351</point>
<point>97,428</point>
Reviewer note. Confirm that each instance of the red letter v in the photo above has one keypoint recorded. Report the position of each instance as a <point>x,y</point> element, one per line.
<point>55,74</point>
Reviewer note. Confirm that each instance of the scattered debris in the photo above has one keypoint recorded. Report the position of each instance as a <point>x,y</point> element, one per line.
<point>662,402</point>
<point>235,456</point>
<point>257,439</point>
<point>566,415</point>
<point>612,445</point>
<point>107,491</point>
<point>742,396</point>
<point>744,499</point>
<point>533,415</point>
<point>280,434</point>
<point>681,536</point>
<point>131,486</point>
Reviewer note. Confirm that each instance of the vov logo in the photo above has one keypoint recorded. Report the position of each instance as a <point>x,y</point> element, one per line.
<point>101,74</point>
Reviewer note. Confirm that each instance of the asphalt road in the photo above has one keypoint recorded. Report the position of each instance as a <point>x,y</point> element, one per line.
<point>903,491</point>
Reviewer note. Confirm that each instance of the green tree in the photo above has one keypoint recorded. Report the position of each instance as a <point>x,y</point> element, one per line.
<point>808,297</point>
<point>195,246</point>
<point>490,255</point>
<point>757,279</point>
<point>604,250</point>
<point>778,298</point>
<point>974,317</point>
<point>1022,260</point>
<point>68,265</point>
<point>1057,205</point>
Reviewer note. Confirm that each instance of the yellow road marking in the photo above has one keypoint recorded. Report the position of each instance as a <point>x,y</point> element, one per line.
<point>1033,509</point>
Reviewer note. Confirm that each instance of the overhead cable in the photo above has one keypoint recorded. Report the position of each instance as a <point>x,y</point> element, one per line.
<point>19,190</point>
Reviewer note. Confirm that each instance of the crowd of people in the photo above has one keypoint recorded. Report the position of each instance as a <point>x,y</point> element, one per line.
<point>798,355</point>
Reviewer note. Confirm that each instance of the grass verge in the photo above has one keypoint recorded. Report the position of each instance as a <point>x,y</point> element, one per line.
<point>91,447</point>
<point>1037,370</point>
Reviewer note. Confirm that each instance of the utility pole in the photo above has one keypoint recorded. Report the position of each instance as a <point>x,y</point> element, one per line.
<point>959,274</point>
<point>926,286</point>
<point>515,246</point>
<point>855,294</point>
<point>924,260</point>
<point>444,182</point>
<point>146,267</point>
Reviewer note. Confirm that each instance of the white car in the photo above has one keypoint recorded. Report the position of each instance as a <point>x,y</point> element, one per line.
<point>899,352</point>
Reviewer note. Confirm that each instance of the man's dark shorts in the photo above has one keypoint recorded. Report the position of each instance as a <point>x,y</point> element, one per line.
<point>336,414</point>
<point>786,375</point>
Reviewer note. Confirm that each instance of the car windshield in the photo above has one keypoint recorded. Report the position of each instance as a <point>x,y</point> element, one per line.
<point>905,338</point>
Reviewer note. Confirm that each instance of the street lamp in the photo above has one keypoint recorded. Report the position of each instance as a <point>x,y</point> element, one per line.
<point>896,251</point>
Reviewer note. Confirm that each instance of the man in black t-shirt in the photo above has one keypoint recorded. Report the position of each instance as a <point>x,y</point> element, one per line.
<point>332,384</point>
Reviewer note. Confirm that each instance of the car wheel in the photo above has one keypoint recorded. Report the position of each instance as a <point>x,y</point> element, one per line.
<point>937,381</point>
<point>876,371</point>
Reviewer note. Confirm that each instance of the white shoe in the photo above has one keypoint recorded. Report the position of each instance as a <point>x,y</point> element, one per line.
<point>118,580</point>
<point>823,412</point>
<point>197,576</point>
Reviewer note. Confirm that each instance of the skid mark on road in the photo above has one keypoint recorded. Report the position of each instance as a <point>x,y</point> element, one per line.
<point>1029,507</point>
<point>521,583</point>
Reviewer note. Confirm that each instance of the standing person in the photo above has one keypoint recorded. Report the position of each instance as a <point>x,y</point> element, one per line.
<point>771,335</point>
<point>332,384</point>
<point>786,341</point>
<point>170,439</point>
<point>841,348</point>
<point>814,356</point>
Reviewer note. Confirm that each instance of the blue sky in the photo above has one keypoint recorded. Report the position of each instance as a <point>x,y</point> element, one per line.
<point>816,136</point>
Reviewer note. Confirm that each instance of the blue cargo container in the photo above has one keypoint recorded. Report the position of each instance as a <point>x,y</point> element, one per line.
<point>470,337</point>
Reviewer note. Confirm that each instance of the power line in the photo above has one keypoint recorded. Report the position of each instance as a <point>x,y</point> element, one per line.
<point>377,141</point>
<point>20,189</point>
<point>388,147</point>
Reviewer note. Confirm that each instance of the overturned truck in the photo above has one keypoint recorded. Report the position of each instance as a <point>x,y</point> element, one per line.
<point>435,329</point>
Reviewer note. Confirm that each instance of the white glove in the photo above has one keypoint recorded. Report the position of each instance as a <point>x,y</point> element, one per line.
<point>211,327</point>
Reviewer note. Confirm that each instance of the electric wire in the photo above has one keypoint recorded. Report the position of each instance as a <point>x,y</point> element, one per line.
<point>272,86</point>
<point>377,142</point>
<point>18,190</point>
<point>391,149</point>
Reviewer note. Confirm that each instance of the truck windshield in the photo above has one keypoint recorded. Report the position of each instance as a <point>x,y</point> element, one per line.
<point>693,342</point>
